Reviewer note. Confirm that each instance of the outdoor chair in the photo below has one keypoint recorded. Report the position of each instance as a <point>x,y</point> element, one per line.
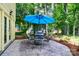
<point>30,35</point>
<point>39,36</point>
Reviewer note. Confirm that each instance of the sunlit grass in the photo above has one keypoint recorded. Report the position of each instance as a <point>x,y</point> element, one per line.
<point>72,39</point>
<point>75,39</point>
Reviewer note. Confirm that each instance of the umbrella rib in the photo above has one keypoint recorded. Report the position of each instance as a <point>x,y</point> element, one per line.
<point>32,19</point>
<point>44,20</point>
<point>39,19</point>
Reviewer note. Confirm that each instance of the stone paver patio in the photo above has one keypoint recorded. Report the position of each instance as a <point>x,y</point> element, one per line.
<point>27,48</point>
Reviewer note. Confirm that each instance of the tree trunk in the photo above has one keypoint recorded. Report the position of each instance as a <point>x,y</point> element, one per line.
<point>46,14</point>
<point>78,31</point>
<point>74,30</point>
<point>74,26</point>
<point>67,29</point>
<point>65,11</point>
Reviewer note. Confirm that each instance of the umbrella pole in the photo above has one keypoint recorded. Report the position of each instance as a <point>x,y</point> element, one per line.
<point>34,30</point>
<point>46,29</point>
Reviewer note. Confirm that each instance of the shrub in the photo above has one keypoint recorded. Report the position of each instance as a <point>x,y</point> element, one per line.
<point>18,33</point>
<point>66,38</point>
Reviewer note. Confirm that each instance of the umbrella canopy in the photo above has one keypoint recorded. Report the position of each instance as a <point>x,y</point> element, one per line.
<point>39,19</point>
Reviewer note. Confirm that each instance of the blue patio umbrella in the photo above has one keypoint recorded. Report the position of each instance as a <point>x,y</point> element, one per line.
<point>39,19</point>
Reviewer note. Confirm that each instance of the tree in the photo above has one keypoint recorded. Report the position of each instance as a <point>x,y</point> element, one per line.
<point>67,16</point>
<point>22,10</point>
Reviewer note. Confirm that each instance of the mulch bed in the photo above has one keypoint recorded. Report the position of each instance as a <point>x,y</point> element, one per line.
<point>74,49</point>
<point>19,37</point>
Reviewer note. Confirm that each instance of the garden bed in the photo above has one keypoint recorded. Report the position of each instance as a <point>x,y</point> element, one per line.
<point>20,37</point>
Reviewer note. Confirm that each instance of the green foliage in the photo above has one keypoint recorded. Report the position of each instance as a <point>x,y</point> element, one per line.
<point>66,14</point>
<point>21,11</point>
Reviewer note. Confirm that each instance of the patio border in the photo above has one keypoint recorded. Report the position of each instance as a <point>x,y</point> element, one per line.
<point>1,52</point>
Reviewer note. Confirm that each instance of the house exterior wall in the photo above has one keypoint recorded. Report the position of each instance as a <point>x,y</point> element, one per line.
<point>5,9</point>
<point>0,31</point>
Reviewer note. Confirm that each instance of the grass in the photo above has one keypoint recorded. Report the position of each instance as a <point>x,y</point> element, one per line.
<point>72,39</point>
<point>75,39</point>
